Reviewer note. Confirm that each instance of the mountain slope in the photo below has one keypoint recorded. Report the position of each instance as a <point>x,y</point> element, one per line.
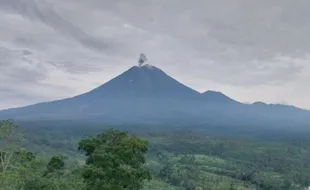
<point>139,92</point>
<point>148,95</point>
<point>145,81</point>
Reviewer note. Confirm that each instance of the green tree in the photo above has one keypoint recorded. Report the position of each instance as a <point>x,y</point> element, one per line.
<point>14,161</point>
<point>115,161</point>
<point>55,164</point>
<point>11,139</point>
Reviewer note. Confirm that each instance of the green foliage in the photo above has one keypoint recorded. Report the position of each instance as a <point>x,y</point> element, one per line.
<point>11,140</point>
<point>115,161</point>
<point>54,181</point>
<point>214,163</point>
<point>21,169</point>
<point>178,160</point>
<point>22,166</point>
<point>55,164</point>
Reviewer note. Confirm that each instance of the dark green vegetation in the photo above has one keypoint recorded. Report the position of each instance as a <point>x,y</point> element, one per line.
<point>115,161</point>
<point>64,155</point>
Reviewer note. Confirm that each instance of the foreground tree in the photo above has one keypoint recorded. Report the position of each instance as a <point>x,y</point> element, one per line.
<point>11,139</point>
<point>55,164</point>
<point>115,161</point>
<point>14,161</point>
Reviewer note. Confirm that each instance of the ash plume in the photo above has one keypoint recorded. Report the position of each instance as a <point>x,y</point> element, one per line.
<point>142,59</point>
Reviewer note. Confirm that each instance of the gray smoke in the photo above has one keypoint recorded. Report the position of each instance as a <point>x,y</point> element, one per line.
<point>142,59</point>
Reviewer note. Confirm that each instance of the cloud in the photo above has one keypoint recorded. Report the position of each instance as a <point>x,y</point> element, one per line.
<point>251,50</point>
<point>41,11</point>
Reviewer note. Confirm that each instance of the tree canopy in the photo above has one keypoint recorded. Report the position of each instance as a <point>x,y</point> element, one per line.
<point>115,161</point>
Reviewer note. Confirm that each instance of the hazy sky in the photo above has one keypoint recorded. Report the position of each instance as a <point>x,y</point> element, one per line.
<point>251,50</point>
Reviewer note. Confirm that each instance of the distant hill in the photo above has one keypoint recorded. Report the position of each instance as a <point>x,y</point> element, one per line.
<point>148,95</point>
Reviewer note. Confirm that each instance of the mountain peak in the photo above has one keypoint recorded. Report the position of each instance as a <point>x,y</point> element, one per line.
<point>259,103</point>
<point>142,72</point>
<point>144,68</point>
<point>144,82</point>
<point>214,93</point>
<point>148,66</point>
<point>215,96</point>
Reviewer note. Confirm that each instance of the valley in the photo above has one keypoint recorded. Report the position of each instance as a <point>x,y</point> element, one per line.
<point>190,159</point>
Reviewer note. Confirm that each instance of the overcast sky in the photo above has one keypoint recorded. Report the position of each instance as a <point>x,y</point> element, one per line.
<point>251,50</point>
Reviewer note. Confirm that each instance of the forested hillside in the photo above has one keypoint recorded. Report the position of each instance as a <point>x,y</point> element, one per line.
<point>54,158</point>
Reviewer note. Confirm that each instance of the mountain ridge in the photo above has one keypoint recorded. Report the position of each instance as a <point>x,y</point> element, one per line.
<point>146,93</point>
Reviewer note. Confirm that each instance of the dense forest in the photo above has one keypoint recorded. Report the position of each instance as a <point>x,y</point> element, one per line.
<point>66,155</point>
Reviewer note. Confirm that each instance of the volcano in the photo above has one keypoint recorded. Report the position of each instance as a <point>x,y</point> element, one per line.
<point>146,94</point>
<point>142,92</point>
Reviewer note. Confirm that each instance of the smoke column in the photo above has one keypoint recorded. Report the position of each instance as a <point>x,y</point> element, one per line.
<point>142,59</point>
